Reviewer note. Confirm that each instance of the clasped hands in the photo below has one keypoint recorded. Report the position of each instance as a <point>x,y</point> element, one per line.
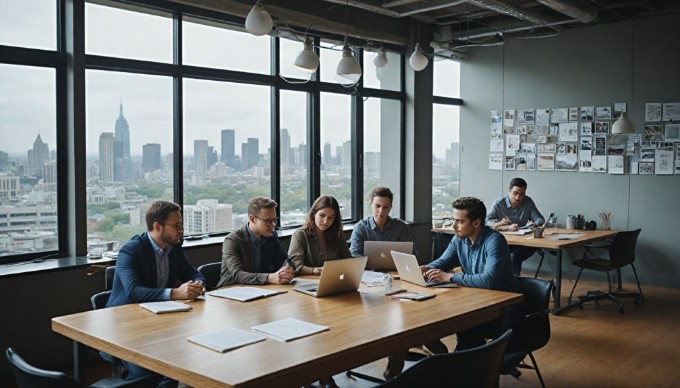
<point>435,274</point>
<point>189,290</point>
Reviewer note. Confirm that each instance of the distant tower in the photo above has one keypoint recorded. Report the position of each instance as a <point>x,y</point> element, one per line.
<point>151,157</point>
<point>37,157</point>
<point>327,157</point>
<point>201,157</point>
<point>122,168</point>
<point>228,149</point>
<point>106,157</point>
<point>250,153</point>
<point>286,156</point>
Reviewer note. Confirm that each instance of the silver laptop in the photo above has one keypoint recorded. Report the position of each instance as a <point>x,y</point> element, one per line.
<point>379,256</point>
<point>337,277</point>
<point>409,269</point>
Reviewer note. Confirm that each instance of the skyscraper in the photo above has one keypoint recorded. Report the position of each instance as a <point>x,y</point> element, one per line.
<point>37,157</point>
<point>286,156</point>
<point>250,153</point>
<point>106,157</point>
<point>122,167</point>
<point>151,157</point>
<point>201,157</point>
<point>228,150</point>
<point>327,157</point>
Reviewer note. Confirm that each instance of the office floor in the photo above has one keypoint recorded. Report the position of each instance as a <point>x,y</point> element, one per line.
<point>593,347</point>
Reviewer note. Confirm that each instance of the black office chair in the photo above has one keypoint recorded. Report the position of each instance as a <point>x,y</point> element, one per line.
<point>211,273</point>
<point>542,253</point>
<point>479,367</point>
<point>621,254</point>
<point>28,376</point>
<point>108,279</point>
<point>100,299</point>
<point>532,332</point>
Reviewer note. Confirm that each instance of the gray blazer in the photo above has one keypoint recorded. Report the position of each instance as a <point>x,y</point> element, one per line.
<point>304,250</point>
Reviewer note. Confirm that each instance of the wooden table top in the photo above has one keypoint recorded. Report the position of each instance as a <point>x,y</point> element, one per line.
<point>549,241</point>
<point>363,328</point>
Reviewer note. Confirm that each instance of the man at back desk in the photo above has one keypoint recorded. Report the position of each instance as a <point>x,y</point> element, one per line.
<point>511,213</point>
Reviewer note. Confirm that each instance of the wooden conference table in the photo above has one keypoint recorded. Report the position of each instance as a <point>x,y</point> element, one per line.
<point>363,328</point>
<point>550,241</point>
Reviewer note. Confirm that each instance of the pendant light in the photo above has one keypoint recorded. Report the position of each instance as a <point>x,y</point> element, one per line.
<point>307,60</point>
<point>348,71</point>
<point>623,125</point>
<point>418,59</point>
<point>259,22</point>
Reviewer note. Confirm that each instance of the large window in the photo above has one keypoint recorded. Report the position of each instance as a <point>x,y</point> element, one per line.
<point>29,23</point>
<point>336,151</point>
<point>294,158</point>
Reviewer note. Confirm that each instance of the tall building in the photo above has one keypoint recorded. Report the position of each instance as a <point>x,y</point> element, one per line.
<point>37,157</point>
<point>106,157</point>
<point>201,157</point>
<point>286,156</point>
<point>9,187</point>
<point>211,156</point>
<point>49,174</point>
<point>151,157</point>
<point>453,155</point>
<point>327,156</point>
<point>207,216</point>
<point>250,153</point>
<point>122,167</point>
<point>228,150</point>
<point>4,161</point>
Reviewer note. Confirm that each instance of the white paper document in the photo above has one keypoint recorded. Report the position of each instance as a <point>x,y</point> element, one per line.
<point>169,306</point>
<point>245,294</point>
<point>520,232</point>
<point>227,339</point>
<point>289,329</point>
<point>565,236</point>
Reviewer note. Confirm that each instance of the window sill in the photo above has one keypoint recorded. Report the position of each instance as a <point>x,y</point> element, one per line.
<point>30,267</point>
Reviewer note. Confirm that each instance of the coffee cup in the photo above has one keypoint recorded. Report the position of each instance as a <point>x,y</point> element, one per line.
<point>538,232</point>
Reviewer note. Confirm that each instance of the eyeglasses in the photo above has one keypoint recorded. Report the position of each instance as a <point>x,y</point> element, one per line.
<point>178,226</point>
<point>271,221</point>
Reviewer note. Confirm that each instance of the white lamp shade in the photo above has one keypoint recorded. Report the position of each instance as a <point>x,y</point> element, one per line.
<point>348,71</point>
<point>307,60</point>
<point>259,22</point>
<point>380,61</point>
<point>418,60</point>
<point>623,125</point>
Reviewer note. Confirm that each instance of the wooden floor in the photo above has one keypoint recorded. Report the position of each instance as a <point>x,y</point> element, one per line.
<point>593,347</point>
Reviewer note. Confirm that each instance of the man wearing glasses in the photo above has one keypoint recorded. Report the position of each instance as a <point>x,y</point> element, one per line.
<point>253,254</point>
<point>152,267</point>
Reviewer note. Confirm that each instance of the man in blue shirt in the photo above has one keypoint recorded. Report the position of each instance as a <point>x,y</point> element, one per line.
<point>511,213</point>
<point>152,267</point>
<point>379,226</point>
<point>253,254</point>
<point>485,261</point>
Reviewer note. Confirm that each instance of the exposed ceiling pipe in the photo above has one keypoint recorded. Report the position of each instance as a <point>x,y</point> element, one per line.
<point>580,10</point>
<point>492,32</point>
<point>511,10</point>
<point>389,12</point>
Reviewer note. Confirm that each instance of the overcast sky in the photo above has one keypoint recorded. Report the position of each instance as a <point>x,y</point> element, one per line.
<point>27,102</point>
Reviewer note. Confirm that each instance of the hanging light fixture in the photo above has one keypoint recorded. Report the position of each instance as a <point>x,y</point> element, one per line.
<point>380,60</point>
<point>259,22</point>
<point>348,71</point>
<point>623,125</point>
<point>418,59</point>
<point>307,60</point>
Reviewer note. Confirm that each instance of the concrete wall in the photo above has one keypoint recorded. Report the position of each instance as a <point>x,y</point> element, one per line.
<point>633,62</point>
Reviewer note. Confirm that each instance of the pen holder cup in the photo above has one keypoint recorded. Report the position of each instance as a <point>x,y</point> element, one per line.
<point>606,223</point>
<point>538,232</point>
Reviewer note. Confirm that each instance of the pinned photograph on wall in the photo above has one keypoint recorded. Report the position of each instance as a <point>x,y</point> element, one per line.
<point>586,128</point>
<point>546,148</point>
<point>671,111</point>
<point>520,162</point>
<point>554,129</point>
<point>509,163</point>
<point>618,108</point>
<point>587,113</point>
<point>599,163</point>
<point>546,162</point>
<point>615,163</point>
<point>531,162</point>
<point>585,155</point>
<point>665,145</point>
<point>652,112</point>
<point>601,127</point>
<point>495,161</point>
<point>585,165</point>
<point>566,162</point>
<point>496,134</point>
<point>653,132</point>
<point>508,120</point>
<point>634,166</point>
<point>647,154</point>
<point>495,117</point>
<point>663,162</point>
<point>541,129</point>
<point>573,114</point>
<point>603,113</point>
<point>568,132</point>
<point>496,145</point>
<point>527,148</point>
<point>586,143</point>
<point>560,148</point>
<point>542,139</point>
<point>616,149</point>
<point>511,144</point>
<point>525,116</point>
<point>677,167</point>
<point>560,115</point>
<point>646,168</point>
<point>542,116</point>
<point>570,149</point>
<point>523,138</point>
<point>672,132</point>
<point>522,129</point>
<point>600,145</point>
<point>677,150</point>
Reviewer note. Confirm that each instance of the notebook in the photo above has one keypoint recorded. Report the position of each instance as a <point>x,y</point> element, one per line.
<point>227,339</point>
<point>337,277</point>
<point>379,256</point>
<point>245,294</point>
<point>409,269</point>
<point>168,306</point>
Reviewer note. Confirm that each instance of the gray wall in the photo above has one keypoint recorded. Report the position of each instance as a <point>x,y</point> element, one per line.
<point>633,62</point>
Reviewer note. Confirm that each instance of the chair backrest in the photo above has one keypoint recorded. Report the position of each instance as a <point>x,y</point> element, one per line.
<point>535,326</point>
<point>100,299</point>
<point>211,273</point>
<point>28,376</point>
<point>479,367</point>
<point>108,280</point>
<point>622,249</point>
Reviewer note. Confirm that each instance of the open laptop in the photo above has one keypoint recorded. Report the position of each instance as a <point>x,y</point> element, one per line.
<point>337,277</point>
<point>409,269</point>
<point>379,256</point>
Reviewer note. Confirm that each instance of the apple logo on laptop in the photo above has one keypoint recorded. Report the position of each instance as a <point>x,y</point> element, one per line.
<point>383,254</point>
<point>342,276</point>
<point>407,268</point>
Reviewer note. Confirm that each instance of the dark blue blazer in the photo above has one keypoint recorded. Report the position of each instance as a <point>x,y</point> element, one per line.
<point>135,278</point>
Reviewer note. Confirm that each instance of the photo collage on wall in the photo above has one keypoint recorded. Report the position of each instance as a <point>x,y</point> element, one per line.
<point>580,139</point>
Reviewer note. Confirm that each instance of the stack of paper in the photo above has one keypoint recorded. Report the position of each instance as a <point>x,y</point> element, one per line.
<point>289,329</point>
<point>245,294</point>
<point>226,339</point>
<point>169,306</point>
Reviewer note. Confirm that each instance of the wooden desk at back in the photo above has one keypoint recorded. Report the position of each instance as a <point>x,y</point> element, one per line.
<point>363,328</point>
<point>549,242</point>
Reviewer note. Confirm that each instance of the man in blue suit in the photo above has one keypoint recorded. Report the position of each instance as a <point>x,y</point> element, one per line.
<point>152,267</point>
